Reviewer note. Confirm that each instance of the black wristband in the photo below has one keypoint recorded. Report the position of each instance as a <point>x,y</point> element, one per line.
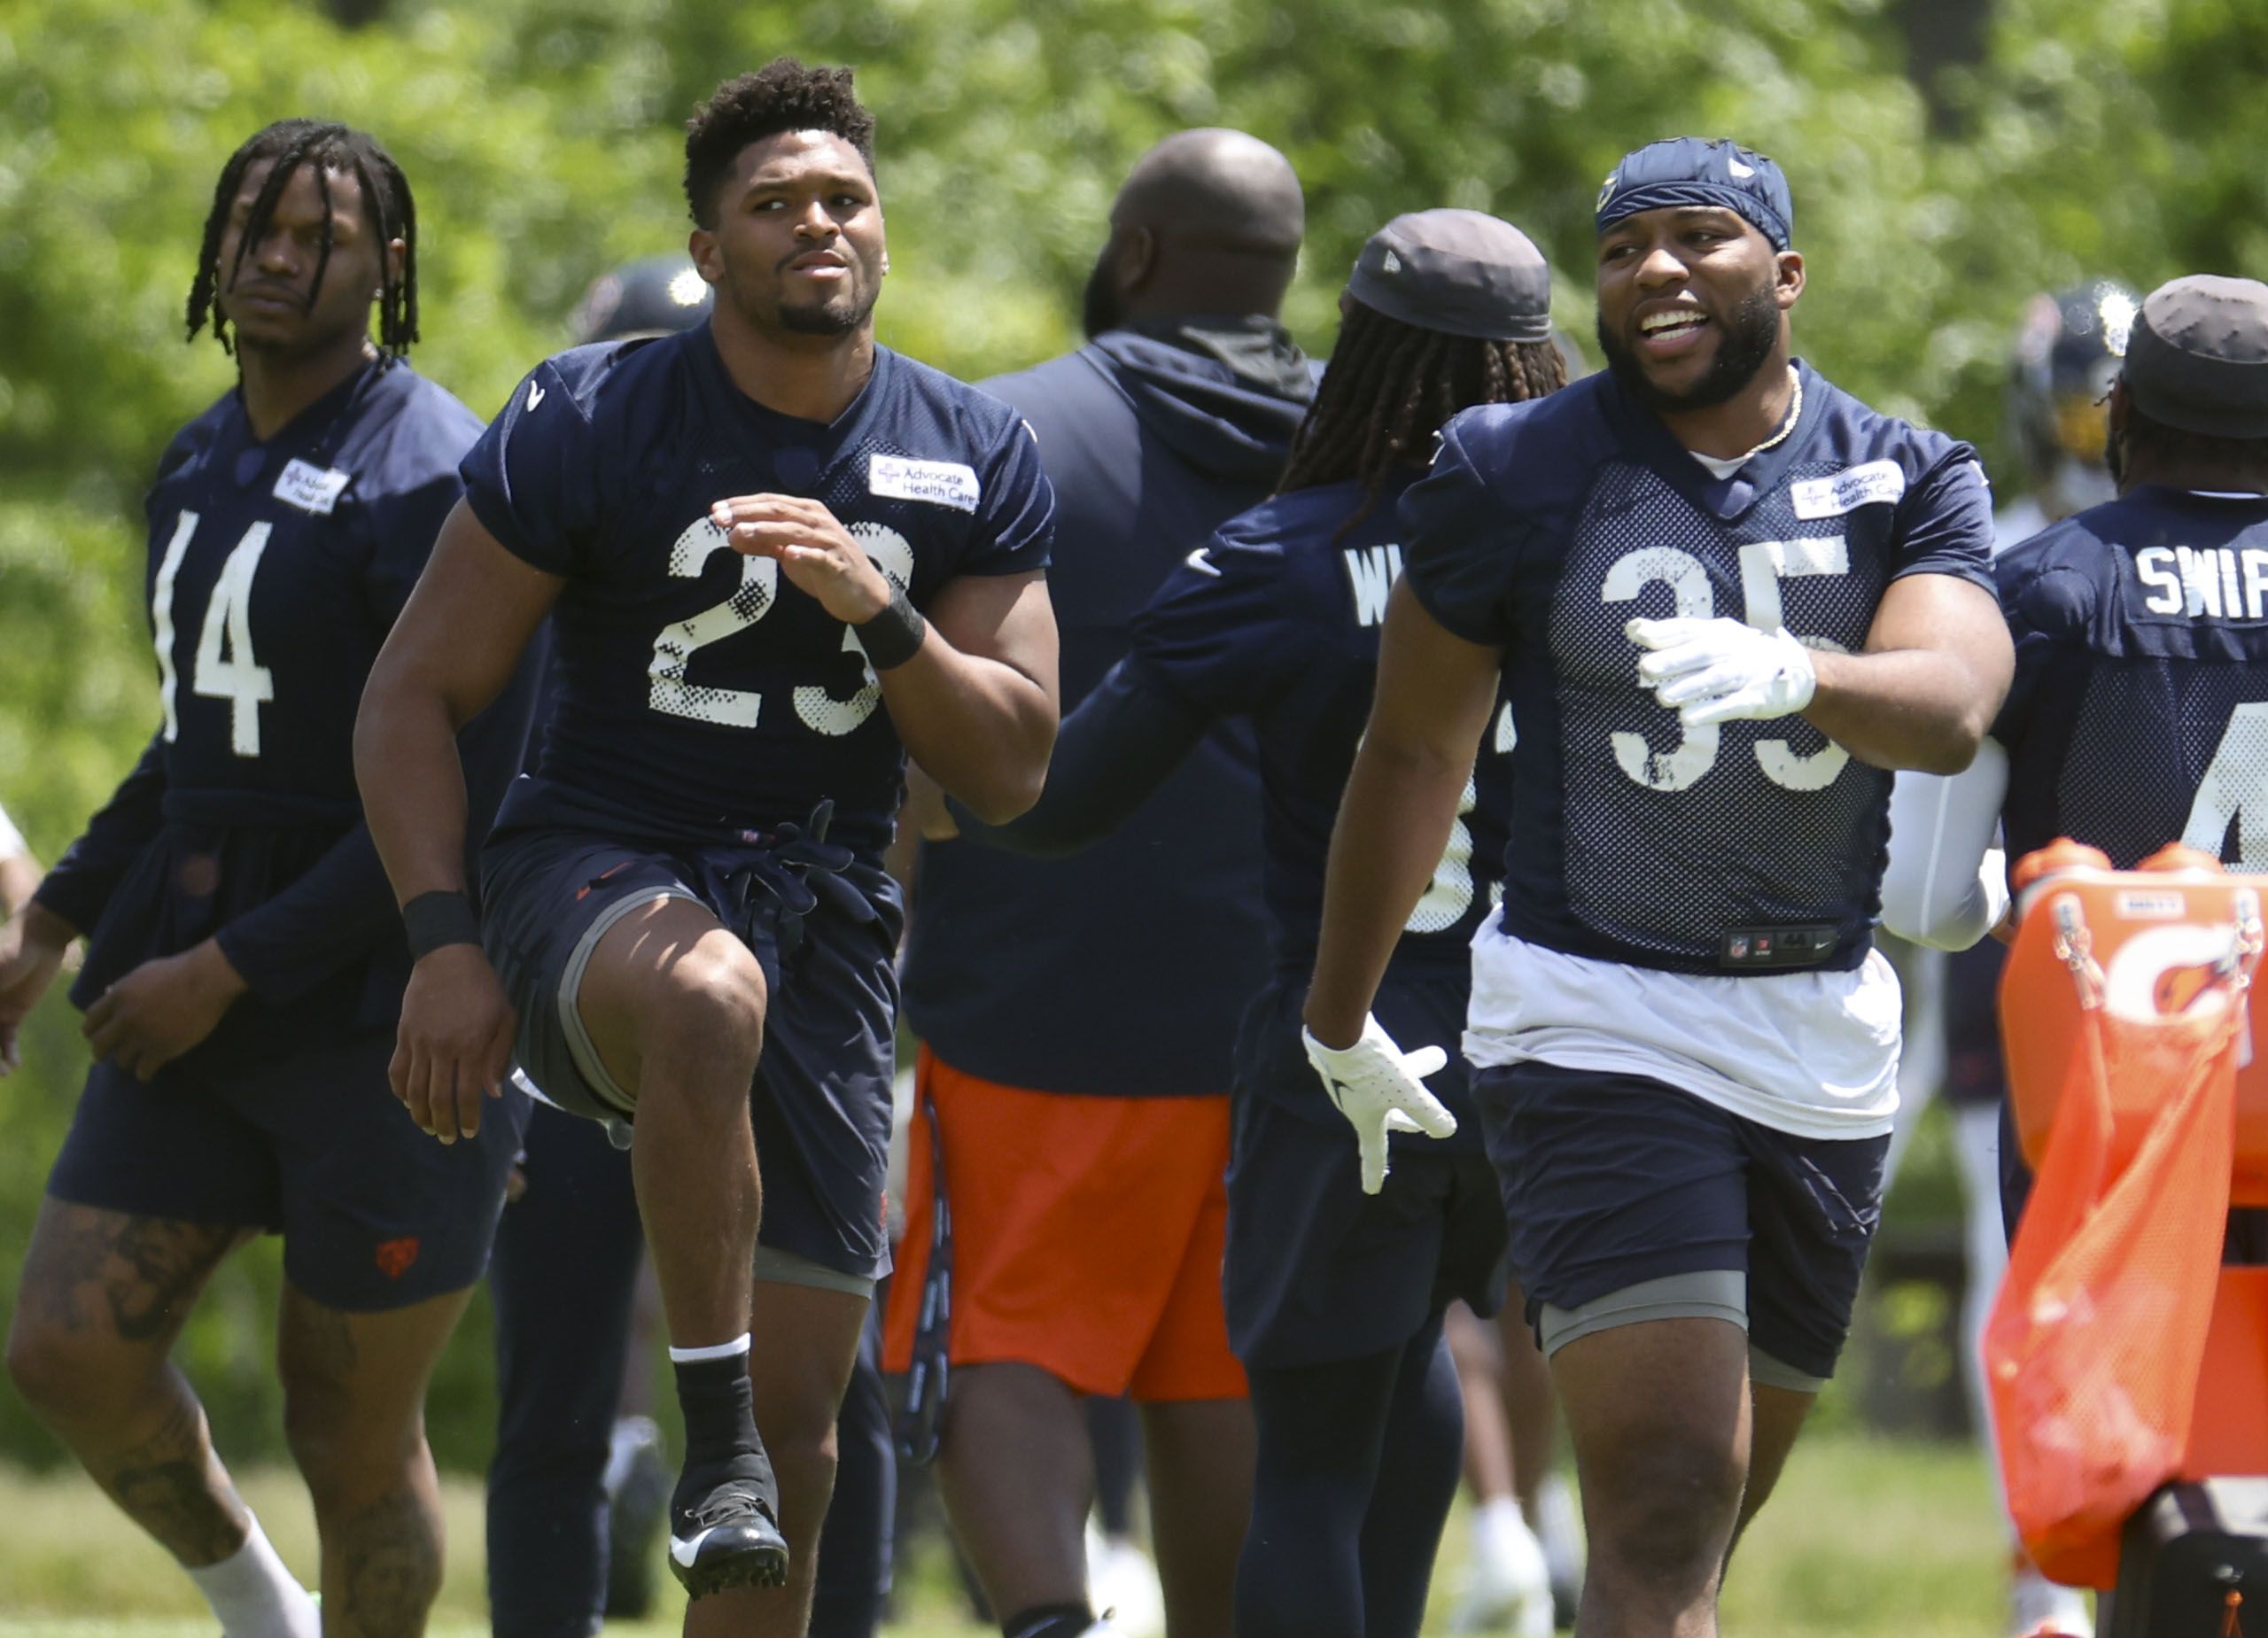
<point>894,636</point>
<point>433,920</point>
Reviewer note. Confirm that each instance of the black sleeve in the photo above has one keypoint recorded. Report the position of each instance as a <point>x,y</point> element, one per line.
<point>1124,740</point>
<point>88,873</point>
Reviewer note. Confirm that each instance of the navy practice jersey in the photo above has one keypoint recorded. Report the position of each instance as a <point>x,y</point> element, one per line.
<point>275,572</point>
<point>2139,711</point>
<point>1277,620</point>
<point>699,693</point>
<point>1544,527</point>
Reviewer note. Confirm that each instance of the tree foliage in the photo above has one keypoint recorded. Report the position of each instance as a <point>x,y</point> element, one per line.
<point>542,139</point>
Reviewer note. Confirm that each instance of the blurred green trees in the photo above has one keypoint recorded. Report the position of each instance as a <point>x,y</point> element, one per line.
<point>541,138</point>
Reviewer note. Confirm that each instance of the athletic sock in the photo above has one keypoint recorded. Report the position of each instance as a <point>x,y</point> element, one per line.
<point>712,1390</point>
<point>1049,1620</point>
<point>253,1596</point>
<point>1500,1532</point>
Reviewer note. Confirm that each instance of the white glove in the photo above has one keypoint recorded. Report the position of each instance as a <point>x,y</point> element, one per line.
<point>1715,671</point>
<point>1378,1088</point>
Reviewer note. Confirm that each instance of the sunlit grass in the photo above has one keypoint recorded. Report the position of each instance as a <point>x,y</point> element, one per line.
<point>1866,1539</point>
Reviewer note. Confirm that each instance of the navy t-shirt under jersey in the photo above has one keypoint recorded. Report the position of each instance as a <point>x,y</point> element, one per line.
<point>275,571</point>
<point>2139,711</point>
<point>1276,619</point>
<point>699,693</point>
<point>1545,526</point>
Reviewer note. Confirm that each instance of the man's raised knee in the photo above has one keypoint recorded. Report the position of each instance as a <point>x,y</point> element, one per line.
<point>705,1008</point>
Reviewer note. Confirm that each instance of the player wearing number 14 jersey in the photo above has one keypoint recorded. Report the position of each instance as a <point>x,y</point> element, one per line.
<point>1724,597</point>
<point>774,554</point>
<point>245,962</point>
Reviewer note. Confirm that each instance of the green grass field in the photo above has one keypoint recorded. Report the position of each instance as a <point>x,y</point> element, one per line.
<point>1866,1539</point>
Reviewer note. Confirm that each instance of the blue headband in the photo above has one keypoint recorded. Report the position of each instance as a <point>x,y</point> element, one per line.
<point>1691,170</point>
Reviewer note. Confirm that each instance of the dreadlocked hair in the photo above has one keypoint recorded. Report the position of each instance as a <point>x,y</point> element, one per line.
<point>1389,388</point>
<point>784,94</point>
<point>327,149</point>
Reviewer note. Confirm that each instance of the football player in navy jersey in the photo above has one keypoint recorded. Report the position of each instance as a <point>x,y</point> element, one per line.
<point>778,558</point>
<point>2140,710</point>
<point>1337,1273</point>
<point>1685,1046</point>
<point>245,962</point>
<point>2141,681</point>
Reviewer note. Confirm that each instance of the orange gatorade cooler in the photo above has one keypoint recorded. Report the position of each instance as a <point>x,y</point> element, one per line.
<point>2120,1354</point>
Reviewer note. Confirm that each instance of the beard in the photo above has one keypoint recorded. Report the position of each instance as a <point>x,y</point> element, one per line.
<point>837,316</point>
<point>756,297</point>
<point>1099,306</point>
<point>1750,331</point>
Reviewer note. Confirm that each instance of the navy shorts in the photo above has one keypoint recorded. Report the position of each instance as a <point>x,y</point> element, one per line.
<point>1614,1180</point>
<point>821,1105</point>
<point>374,1214</point>
<point>1315,1269</point>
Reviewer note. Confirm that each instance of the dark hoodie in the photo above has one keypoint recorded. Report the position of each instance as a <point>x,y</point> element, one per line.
<point>1122,971</point>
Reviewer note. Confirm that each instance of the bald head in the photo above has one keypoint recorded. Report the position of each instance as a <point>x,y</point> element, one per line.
<point>1207,222</point>
<point>1217,187</point>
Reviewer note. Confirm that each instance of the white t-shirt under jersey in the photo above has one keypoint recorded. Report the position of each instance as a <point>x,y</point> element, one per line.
<point>1810,1053</point>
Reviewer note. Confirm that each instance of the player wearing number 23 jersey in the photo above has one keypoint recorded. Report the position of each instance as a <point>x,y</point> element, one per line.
<point>701,701</point>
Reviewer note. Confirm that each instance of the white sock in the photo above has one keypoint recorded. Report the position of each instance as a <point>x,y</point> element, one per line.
<point>1500,1535</point>
<point>254,1594</point>
<point>733,1349</point>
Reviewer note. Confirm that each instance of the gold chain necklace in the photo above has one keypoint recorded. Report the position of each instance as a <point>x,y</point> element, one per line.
<point>1795,413</point>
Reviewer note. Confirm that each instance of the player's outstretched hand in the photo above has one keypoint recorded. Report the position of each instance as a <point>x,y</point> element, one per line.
<point>32,944</point>
<point>1379,1089</point>
<point>814,550</point>
<point>455,1041</point>
<point>161,1009</point>
<point>1716,670</point>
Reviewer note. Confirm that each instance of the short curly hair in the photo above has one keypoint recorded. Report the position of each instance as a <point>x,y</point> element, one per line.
<point>784,94</point>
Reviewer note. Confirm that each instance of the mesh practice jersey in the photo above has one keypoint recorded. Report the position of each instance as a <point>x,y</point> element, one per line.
<point>2139,711</point>
<point>698,692</point>
<point>1544,527</point>
<point>275,571</point>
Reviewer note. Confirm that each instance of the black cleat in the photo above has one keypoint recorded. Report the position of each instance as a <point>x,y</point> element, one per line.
<point>725,1532</point>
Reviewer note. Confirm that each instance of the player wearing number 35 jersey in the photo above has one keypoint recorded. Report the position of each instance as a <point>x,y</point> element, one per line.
<point>773,553</point>
<point>1723,597</point>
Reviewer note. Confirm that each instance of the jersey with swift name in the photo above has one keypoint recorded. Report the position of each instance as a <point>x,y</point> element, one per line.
<point>275,570</point>
<point>1741,849</point>
<point>1276,619</point>
<point>700,693</point>
<point>2138,715</point>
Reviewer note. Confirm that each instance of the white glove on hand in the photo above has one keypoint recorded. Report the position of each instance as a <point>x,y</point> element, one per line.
<point>1379,1089</point>
<point>1715,671</point>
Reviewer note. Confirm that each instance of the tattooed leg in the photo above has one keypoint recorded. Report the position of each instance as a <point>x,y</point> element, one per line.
<point>104,1295</point>
<point>354,1410</point>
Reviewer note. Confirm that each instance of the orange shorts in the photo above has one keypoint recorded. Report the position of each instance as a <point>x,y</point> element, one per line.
<point>1087,1236</point>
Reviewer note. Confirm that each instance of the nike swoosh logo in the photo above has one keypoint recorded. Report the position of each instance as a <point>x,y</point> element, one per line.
<point>686,1552</point>
<point>1203,565</point>
<point>535,396</point>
